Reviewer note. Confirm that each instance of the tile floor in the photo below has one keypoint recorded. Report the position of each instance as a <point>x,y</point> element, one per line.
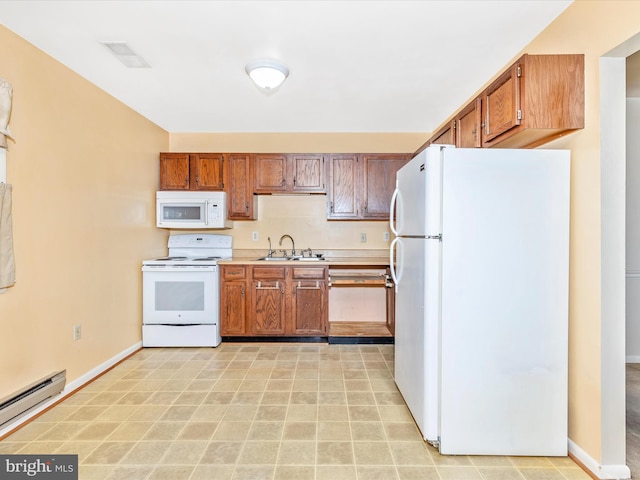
<point>257,411</point>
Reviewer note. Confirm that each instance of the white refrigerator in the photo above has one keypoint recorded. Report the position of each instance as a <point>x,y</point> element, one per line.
<point>481,271</point>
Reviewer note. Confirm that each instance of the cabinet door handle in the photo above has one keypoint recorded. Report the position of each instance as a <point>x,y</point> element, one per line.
<point>197,180</point>
<point>300,287</point>
<point>260,287</point>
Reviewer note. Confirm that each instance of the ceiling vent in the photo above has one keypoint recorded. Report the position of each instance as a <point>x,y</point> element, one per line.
<point>128,57</point>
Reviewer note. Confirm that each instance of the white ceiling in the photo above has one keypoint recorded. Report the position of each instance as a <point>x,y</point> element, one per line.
<point>355,66</point>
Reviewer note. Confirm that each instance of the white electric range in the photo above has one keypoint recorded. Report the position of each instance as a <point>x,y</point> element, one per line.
<point>181,292</point>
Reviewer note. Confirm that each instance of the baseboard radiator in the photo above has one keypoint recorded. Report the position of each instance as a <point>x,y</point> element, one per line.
<point>25,399</point>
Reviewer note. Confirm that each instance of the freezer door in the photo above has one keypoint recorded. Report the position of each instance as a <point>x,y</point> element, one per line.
<point>417,197</point>
<point>505,302</point>
<point>417,330</point>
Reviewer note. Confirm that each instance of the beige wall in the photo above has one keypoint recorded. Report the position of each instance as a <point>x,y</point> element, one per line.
<point>593,28</point>
<point>298,142</point>
<point>84,170</point>
<point>303,217</point>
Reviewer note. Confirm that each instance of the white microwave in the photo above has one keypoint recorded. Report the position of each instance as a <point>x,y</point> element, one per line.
<point>177,209</point>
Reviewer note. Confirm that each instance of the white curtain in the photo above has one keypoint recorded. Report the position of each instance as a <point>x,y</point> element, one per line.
<point>7,265</point>
<point>5,111</point>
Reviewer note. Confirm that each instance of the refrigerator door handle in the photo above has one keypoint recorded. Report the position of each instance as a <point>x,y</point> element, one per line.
<point>392,210</point>
<point>392,267</point>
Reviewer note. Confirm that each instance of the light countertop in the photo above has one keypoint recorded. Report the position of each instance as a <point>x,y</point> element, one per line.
<point>369,258</point>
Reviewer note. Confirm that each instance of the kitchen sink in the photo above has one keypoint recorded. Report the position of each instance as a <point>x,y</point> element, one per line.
<point>296,258</point>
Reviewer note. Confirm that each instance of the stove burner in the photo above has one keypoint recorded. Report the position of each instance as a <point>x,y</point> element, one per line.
<point>205,259</point>
<point>172,258</point>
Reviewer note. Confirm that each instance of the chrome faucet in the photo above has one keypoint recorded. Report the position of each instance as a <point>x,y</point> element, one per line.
<point>293,245</point>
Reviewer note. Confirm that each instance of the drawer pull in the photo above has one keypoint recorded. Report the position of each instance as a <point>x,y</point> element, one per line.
<point>260,287</point>
<point>317,287</point>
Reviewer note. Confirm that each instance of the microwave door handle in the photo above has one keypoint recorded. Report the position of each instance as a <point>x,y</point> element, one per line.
<point>206,212</point>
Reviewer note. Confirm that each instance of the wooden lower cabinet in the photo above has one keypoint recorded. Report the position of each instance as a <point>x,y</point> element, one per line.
<point>267,305</point>
<point>233,300</point>
<point>309,301</point>
<point>391,305</point>
<point>273,300</point>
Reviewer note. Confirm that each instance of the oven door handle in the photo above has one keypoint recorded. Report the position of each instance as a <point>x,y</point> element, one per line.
<point>178,324</point>
<point>178,268</point>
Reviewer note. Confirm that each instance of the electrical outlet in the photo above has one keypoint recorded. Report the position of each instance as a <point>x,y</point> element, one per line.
<point>77,332</point>
<point>385,236</point>
<point>363,238</point>
<point>254,236</point>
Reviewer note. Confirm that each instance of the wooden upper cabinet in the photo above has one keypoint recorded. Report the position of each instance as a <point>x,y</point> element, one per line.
<point>292,173</point>
<point>174,171</point>
<point>446,135</point>
<point>361,185</point>
<point>307,173</point>
<point>468,125</point>
<point>502,104</point>
<point>270,172</point>
<point>539,98</point>
<point>379,182</point>
<point>191,171</point>
<point>206,171</point>
<point>242,203</point>
<point>344,184</point>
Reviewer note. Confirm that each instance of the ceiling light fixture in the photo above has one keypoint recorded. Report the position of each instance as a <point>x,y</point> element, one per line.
<point>267,74</point>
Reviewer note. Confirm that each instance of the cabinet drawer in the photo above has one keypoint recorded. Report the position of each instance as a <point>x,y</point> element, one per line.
<point>309,272</point>
<point>233,272</point>
<point>267,273</point>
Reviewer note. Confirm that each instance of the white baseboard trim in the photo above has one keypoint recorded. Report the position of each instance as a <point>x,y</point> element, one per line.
<point>603,472</point>
<point>70,387</point>
<point>633,359</point>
